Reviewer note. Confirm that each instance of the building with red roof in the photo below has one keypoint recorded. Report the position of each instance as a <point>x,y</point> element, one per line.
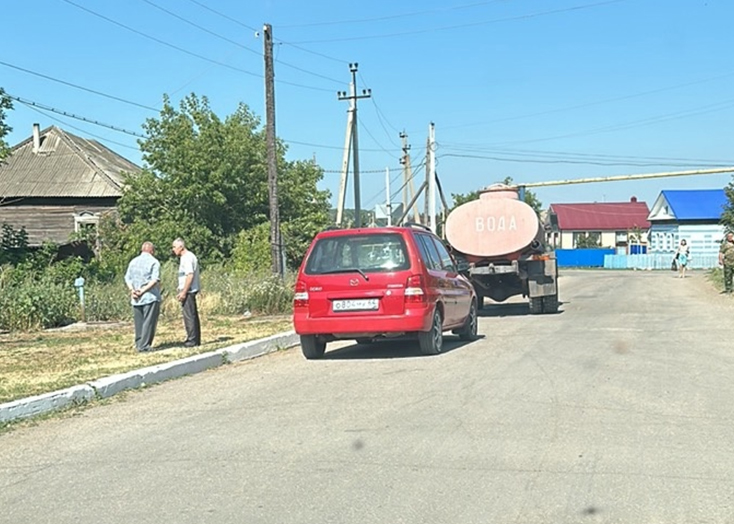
<point>611,224</point>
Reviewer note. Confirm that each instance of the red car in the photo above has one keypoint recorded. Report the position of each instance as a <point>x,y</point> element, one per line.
<point>366,283</point>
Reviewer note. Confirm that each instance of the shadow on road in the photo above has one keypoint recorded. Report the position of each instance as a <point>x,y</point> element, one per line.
<point>396,348</point>
<point>509,310</point>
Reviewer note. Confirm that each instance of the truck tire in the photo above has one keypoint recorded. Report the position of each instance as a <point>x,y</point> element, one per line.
<point>431,342</point>
<point>312,347</point>
<point>469,330</point>
<point>535,304</point>
<point>550,304</point>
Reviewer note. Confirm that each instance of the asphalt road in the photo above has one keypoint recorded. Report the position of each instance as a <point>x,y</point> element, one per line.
<point>617,409</point>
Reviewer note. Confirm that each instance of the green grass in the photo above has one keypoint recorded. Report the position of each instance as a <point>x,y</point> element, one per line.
<point>36,363</point>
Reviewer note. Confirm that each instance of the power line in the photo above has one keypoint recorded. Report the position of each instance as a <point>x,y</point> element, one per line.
<point>589,104</point>
<point>468,24</point>
<point>186,51</point>
<point>72,115</point>
<point>76,86</point>
<point>392,17</point>
<point>234,42</point>
<point>204,6</point>
<point>66,124</point>
<point>572,154</point>
<point>584,162</point>
<point>635,123</point>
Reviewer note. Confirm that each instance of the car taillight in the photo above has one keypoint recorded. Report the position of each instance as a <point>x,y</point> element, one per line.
<point>414,292</point>
<point>300,298</point>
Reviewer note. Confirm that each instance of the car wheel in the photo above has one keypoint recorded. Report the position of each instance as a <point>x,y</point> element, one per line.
<point>312,347</point>
<point>431,342</point>
<point>536,305</point>
<point>469,329</point>
<point>364,341</point>
<point>550,304</point>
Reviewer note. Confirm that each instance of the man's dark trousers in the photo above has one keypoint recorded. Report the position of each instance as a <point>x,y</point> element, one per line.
<point>191,320</point>
<point>146,320</point>
<point>728,275</point>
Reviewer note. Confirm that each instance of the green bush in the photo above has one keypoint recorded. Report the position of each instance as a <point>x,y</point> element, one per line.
<point>37,304</point>
<point>259,293</point>
<point>107,302</point>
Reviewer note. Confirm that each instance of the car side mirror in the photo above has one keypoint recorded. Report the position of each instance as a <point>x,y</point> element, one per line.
<point>462,265</point>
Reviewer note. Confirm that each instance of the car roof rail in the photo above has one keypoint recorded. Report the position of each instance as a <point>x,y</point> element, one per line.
<point>416,224</point>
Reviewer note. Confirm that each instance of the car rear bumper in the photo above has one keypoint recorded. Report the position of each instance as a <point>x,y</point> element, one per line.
<point>411,320</point>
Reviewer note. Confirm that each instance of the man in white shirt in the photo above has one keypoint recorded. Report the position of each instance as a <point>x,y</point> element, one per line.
<point>188,287</point>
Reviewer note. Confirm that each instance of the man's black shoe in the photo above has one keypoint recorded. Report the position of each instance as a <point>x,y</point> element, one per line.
<point>190,344</point>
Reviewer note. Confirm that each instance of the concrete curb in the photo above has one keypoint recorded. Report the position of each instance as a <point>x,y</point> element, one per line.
<point>108,386</point>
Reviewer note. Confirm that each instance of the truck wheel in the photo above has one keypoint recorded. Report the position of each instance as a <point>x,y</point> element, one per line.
<point>535,305</point>
<point>469,330</point>
<point>550,304</point>
<point>312,347</point>
<point>431,342</point>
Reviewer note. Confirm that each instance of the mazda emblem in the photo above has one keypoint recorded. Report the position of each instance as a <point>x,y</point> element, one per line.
<point>353,282</point>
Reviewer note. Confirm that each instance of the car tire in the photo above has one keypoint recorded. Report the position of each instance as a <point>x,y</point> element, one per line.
<point>364,341</point>
<point>550,304</point>
<point>431,342</point>
<point>535,305</point>
<point>469,330</point>
<point>312,347</point>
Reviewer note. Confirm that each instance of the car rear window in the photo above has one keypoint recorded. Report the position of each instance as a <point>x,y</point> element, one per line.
<point>369,253</point>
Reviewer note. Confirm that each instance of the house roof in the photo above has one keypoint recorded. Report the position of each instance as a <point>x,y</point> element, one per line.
<point>605,216</point>
<point>689,204</point>
<point>65,165</point>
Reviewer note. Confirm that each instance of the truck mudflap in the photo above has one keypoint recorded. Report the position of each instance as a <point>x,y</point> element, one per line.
<point>542,277</point>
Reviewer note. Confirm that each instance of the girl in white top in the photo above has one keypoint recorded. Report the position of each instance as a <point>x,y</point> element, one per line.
<point>682,254</point>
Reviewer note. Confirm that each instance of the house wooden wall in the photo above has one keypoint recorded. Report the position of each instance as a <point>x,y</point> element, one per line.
<point>50,219</point>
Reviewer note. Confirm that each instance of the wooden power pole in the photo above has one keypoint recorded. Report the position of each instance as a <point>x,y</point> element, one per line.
<point>275,240</point>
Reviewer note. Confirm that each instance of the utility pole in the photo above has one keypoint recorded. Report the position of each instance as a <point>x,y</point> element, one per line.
<point>275,240</point>
<point>431,167</point>
<point>350,139</point>
<point>388,206</point>
<point>408,184</point>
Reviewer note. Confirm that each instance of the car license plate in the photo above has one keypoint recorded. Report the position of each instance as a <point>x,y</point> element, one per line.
<point>364,304</point>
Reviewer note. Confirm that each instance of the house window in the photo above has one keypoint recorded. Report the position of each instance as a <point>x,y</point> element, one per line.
<point>583,239</point>
<point>85,221</point>
<point>620,237</point>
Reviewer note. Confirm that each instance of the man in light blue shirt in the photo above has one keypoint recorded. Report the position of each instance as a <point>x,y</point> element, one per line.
<point>143,280</point>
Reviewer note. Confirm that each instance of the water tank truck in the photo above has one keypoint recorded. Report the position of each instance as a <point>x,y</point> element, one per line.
<point>503,242</point>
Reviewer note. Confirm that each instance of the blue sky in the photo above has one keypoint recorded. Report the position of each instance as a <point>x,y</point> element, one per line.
<point>532,89</point>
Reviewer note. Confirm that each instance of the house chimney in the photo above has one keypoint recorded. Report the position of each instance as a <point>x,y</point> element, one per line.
<point>633,199</point>
<point>36,137</point>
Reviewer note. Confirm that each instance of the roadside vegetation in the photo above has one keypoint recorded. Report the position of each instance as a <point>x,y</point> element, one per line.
<point>38,362</point>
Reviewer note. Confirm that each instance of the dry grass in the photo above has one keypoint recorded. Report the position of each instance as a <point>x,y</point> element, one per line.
<point>35,363</point>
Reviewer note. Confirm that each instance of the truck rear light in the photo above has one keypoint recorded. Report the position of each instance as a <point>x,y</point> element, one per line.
<point>300,298</point>
<point>414,292</point>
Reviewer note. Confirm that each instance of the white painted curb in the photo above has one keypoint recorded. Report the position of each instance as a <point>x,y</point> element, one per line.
<point>39,404</point>
<point>108,386</point>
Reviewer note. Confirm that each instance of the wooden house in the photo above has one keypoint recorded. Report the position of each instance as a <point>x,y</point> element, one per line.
<point>55,183</point>
<point>690,214</point>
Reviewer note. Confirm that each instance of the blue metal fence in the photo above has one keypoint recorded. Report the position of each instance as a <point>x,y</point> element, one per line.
<point>657,261</point>
<point>591,257</point>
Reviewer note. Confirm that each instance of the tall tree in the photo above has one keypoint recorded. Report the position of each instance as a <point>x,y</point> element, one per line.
<point>206,180</point>
<point>727,217</point>
<point>5,105</point>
